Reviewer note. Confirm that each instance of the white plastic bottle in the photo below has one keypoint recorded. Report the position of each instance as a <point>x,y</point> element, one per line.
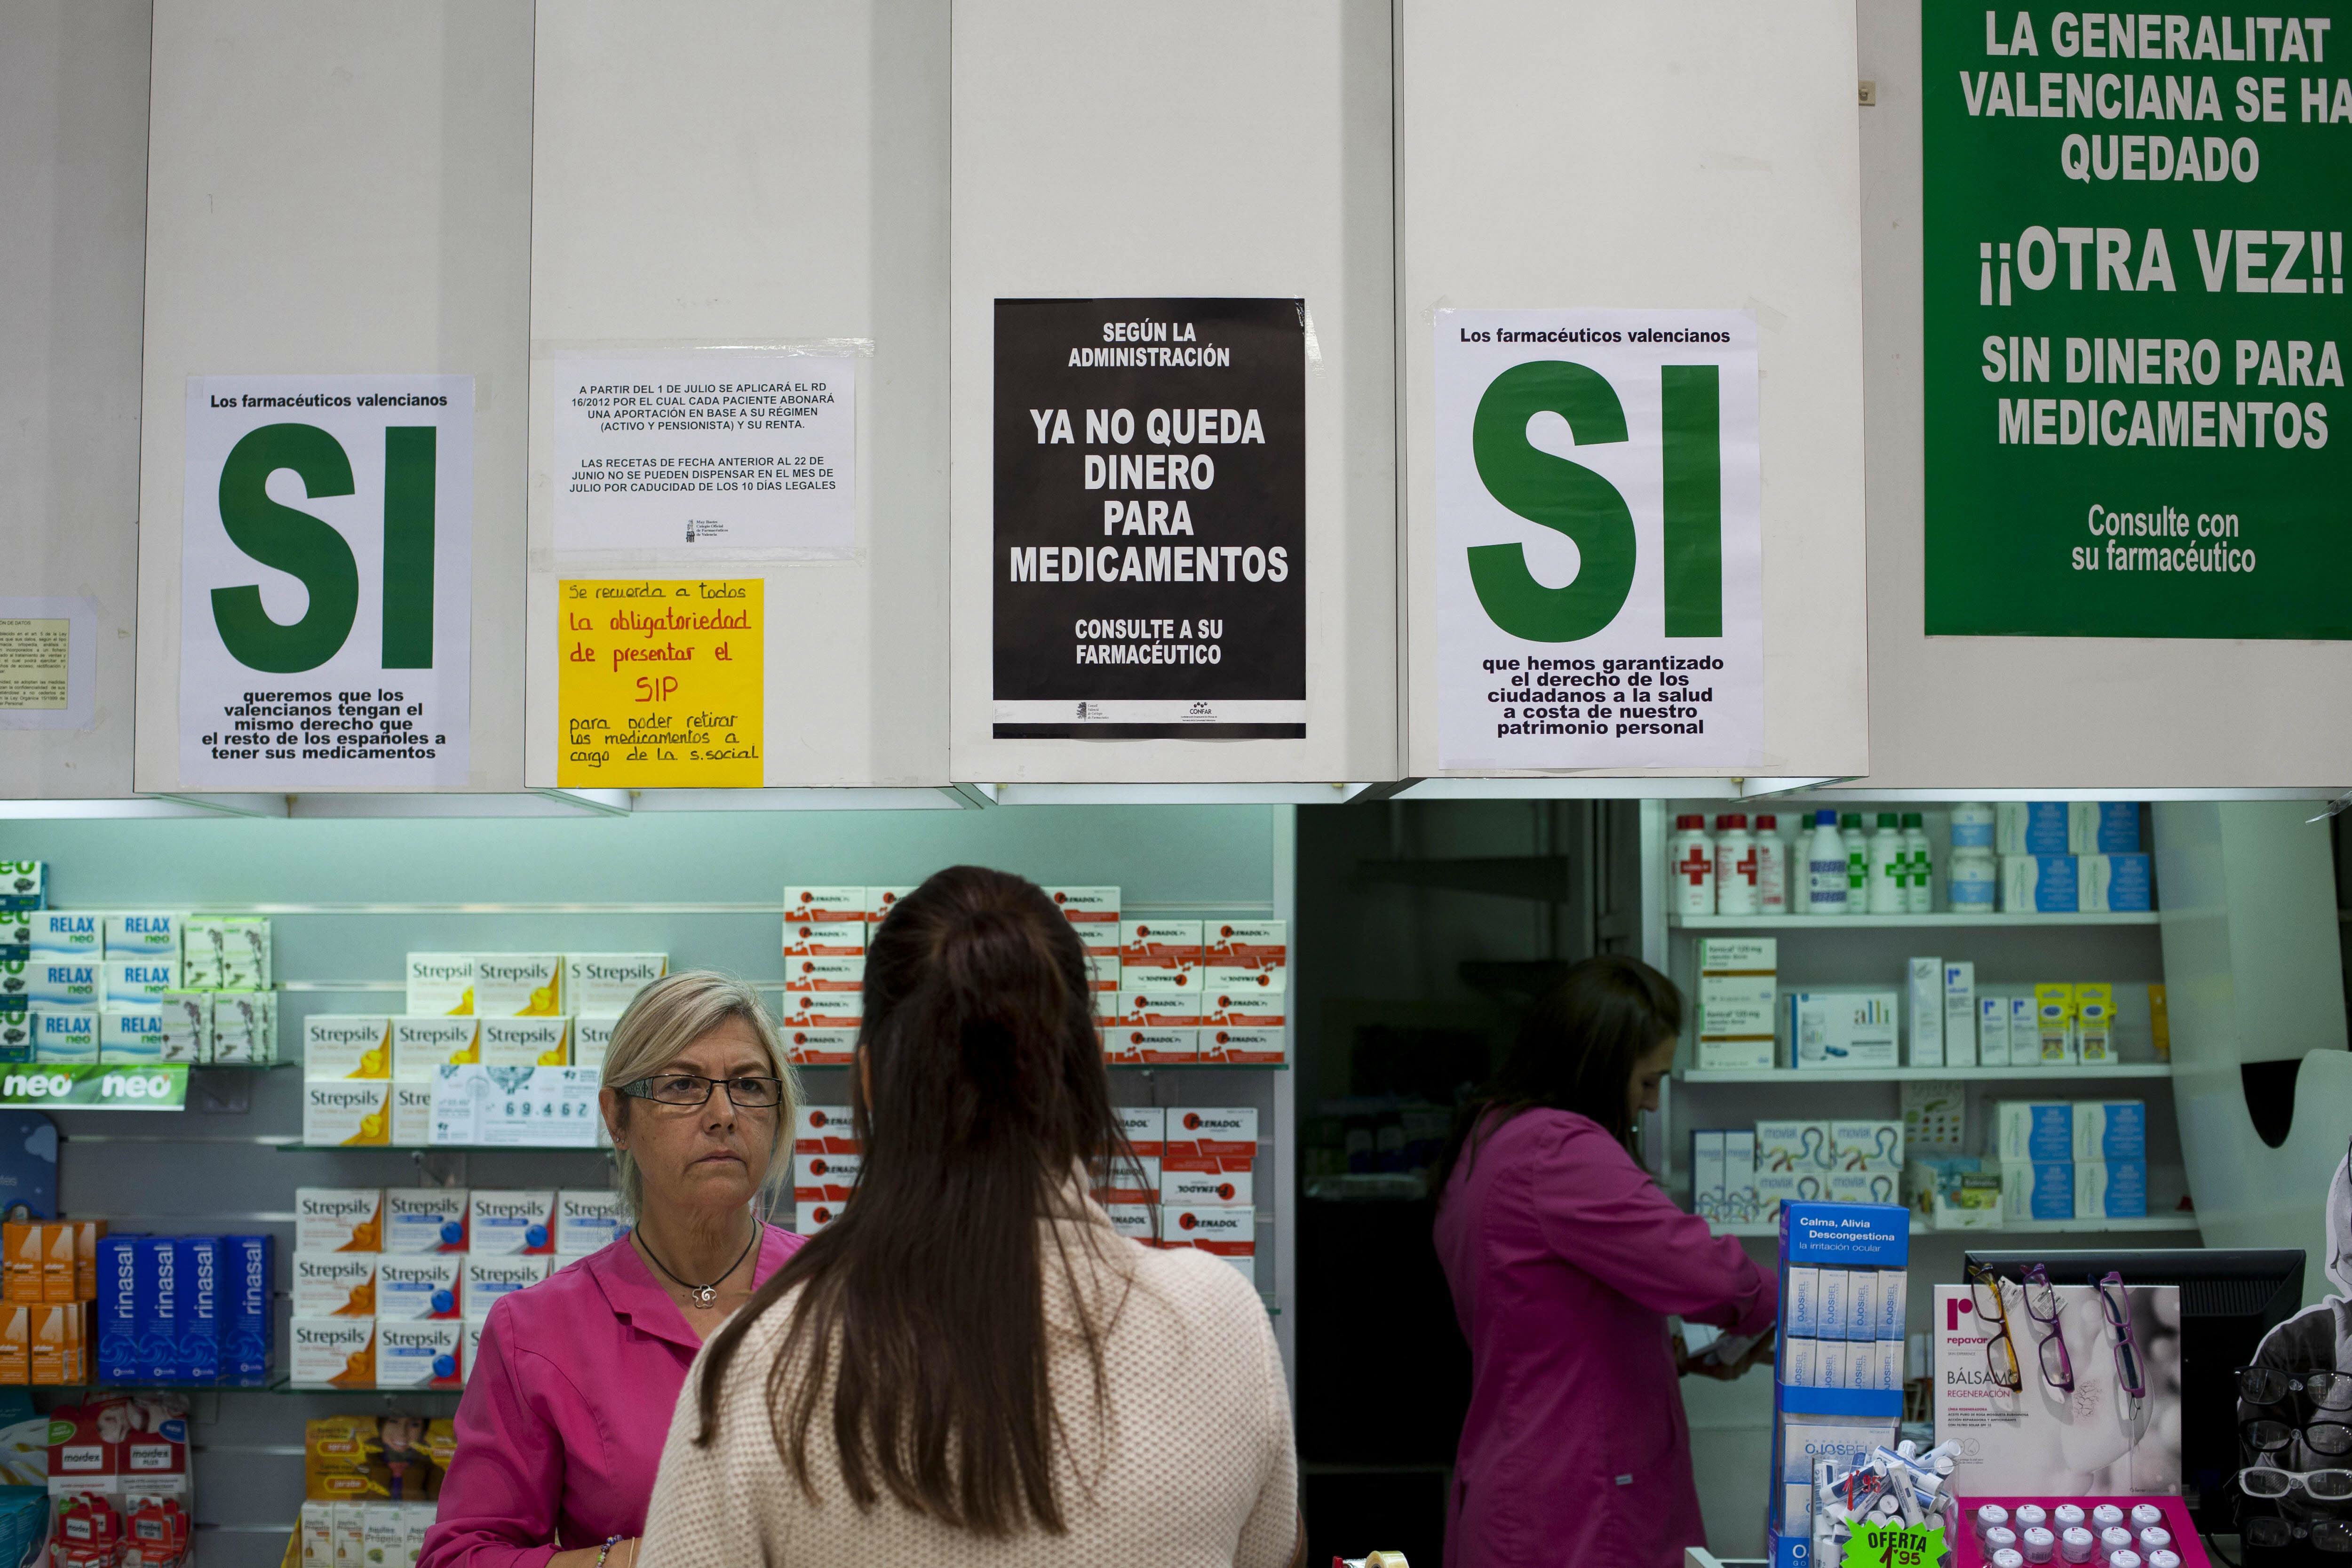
<point>1857,863</point>
<point>1920,892</point>
<point>1972,824</point>
<point>1735,866</point>
<point>1890,866</point>
<point>1824,852</point>
<point>1970,875</point>
<point>1690,863</point>
<point>1771,867</point>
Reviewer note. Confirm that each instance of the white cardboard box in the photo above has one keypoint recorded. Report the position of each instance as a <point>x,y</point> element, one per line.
<point>334,1284</point>
<point>1959,1013</point>
<point>1926,1000</point>
<point>337,1353</point>
<point>1844,1029</point>
<point>339,1219</point>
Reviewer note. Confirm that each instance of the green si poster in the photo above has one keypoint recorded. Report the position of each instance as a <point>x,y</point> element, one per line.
<point>2135,322</point>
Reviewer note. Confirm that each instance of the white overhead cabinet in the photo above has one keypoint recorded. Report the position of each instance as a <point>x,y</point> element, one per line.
<point>1631,312</point>
<point>1173,488</point>
<point>331,444</point>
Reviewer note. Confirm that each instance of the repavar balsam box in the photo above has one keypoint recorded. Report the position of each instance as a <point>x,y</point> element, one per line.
<point>346,1044</point>
<point>518,985</point>
<point>510,1223</point>
<point>440,983</point>
<point>419,1354</point>
<point>339,1219</point>
<point>604,984</point>
<point>425,1219</point>
<point>332,1353</point>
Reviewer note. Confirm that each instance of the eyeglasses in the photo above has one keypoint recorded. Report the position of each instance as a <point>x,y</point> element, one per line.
<point>2041,1306</point>
<point>2269,1385</point>
<point>2333,1438</point>
<point>2001,1352</point>
<point>687,1089</point>
<point>2129,1372</point>
<point>2321,1486</point>
<point>2329,1535</point>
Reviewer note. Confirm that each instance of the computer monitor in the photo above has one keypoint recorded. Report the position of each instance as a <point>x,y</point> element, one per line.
<point>2229,1297</point>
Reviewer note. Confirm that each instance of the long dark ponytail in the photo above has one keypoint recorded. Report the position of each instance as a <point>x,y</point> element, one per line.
<point>1576,1050</point>
<point>926,1296</point>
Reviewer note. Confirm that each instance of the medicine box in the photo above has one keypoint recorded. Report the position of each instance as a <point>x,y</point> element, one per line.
<point>1137,1222</point>
<point>412,1285</point>
<point>2053,1023</point>
<point>335,1284</point>
<point>1867,1145</point>
<point>127,1037</point>
<point>880,902</point>
<point>810,1218</point>
<point>339,1219</point>
<point>1843,1029</point>
<point>1230,1234</point>
<point>1706,1173</point>
<point>823,1010</point>
<point>604,984</point>
<point>1128,1043</point>
<point>418,1355</point>
<point>1801,1303</point>
<point>820,1047</point>
<point>1197,1188</point>
<point>332,1353</point>
<point>65,1035</point>
<point>2024,1039</point>
<point>1159,1008</point>
<point>440,984</point>
<point>2039,884</point>
<point>821,1129</point>
<point>592,1040</point>
<point>412,1119</point>
<point>1123,1181</point>
<point>590,1219</point>
<point>2102,826</point>
<point>825,905</point>
<point>526,1042</point>
<point>1257,1006</point>
<point>1103,973</point>
<point>1959,1013</point>
<point>1226,1133</point>
<point>1800,1363</point>
<point>1157,946</point>
<point>1735,1022</point>
<point>2031,827</point>
<point>425,1219</point>
<point>1226,1044</point>
<point>1094,912</point>
<point>117,1318</point>
<point>806,936</point>
<point>825,1178</point>
<point>1862,1304</point>
<point>423,1044</point>
<point>1739,1199</point>
<point>1864,1186</point>
<point>485,1278</point>
<point>142,932</point>
<point>2035,1192</point>
<point>202,1306</point>
<point>139,980</point>
<point>340,1045</point>
<point>1828,1308</point>
<point>16,1035</point>
<point>518,985</point>
<point>67,933</point>
<point>2095,1025</point>
<point>2120,883</point>
<point>248,1327</point>
<point>2033,1131</point>
<point>1793,1146</point>
<point>2111,1189</point>
<point>54,980</point>
<point>845,973</point>
<point>1246,944</point>
<point>1774,1188</point>
<point>23,886</point>
<point>2110,1129</point>
<point>1926,1011</point>
<point>508,1223</point>
<point>235,949</point>
<point>244,1027</point>
<point>347,1113</point>
<point>1992,1031</point>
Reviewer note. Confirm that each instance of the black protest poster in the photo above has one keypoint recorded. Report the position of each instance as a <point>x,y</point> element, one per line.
<point>1150,520</point>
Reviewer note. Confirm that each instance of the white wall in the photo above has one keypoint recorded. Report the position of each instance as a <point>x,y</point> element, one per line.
<point>1688,154</point>
<point>1214,149</point>
<point>73,173</point>
<point>724,171</point>
<point>1959,713</point>
<point>339,186</point>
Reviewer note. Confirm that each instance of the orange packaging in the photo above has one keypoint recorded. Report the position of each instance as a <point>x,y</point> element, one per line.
<point>21,1247</point>
<point>54,1344</point>
<point>87,1233</point>
<point>59,1282</point>
<point>17,1343</point>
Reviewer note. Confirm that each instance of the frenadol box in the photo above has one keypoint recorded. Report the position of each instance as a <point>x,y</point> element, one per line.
<point>1145,1127</point>
<point>334,1284</point>
<point>1246,944</point>
<point>346,1044</point>
<point>419,1354</point>
<point>588,1219</point>
<point>138,979</point>
<point>509,1223</point>
<point>1227,1134</point>
<point>604,984</point>
<point>820,1047</point>
<point>413,1285</point>
<point>485,1278</point>
<point>1231,1045</point>
<point>355,1113</point>
<point>810,1218</point>
<point>1229,1232</point>
<point>1094,912</point>
<point>823,922</point>
<point>423,1044</point>
<point>1135,1222</point>
<point>1159,1008</point>
<point>333,1352</point>
<point>142,932</point>
<point>1202,1188</point>
<point>518,985</point>
<point>1244,1008</point>
<point>823,1010</point>
<point>1133,1043</point>
<point>526,1042</point>
<point>339,1219</point>
<point>880,902</point>
<point>845,973</point>
<point>823,1130</point>
<point>425,1219</point>
<point>1156,946</point>
<point>440,983</point>
<point>825,1178</point>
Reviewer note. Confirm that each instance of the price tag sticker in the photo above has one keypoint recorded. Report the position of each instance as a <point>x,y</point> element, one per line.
<point>1895,1546</point>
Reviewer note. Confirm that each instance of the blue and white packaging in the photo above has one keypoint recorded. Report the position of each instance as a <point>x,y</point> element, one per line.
<point>2035,1192</point>
<point>2121,884</point>
<point>1800,1299</point>
<point>412,1286</point>
<point>1829,1416</point>
<point>135,1036</point>
<point>116,1326</point>
<point>1801,1366</point>
<point>2042,1131</point>
<point>142,931</point>
<point>69,932</point>
<point>1860,1304</point>
<point>1893,1305</point>
<point>2111,1189</point>
<point>54,981</point>
<point>199,1308</point>
<point>2102,826</point>
<point>138,981</point>
<point>1992,1032</point>
<point>1830,1316</point>
<point>511,1224</point>
<point>425,1219</point>
<point>2111,1130</point>
<point>2040,884</point>
<point>157,1287</point>
<point>2031,827</point>
<point>248,1340</point>
<point>66,1035</point>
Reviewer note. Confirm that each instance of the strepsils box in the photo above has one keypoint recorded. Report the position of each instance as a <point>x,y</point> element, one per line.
<point>339,1219</point>
<point>485,1278</point>
<point>346,1044</point>
<point>138,979</point>
<point>69,932</point>
<point>1225,1043</point>
<point>51,981</point>
<point>1157,946</point>
<point>440,983</point>
<point>805,938</point>
<point>526,1042</point>
<point>1212,1132</point>
<point>1120,1181</point>
<point>127,1035</point>
<point>880,902</point>
<point>1246,1008</point>
<point>418,1355</point>
<point>424,1043</point>
<point>354,1112</point>
<point>334,1284</point>
<point>592,1040</point>
<point>1131,1044</point>
<point>1227,1233</point>
<point>604,984</point>
<point>588,1219</point>
<point>1246,944</point>
<point>65,1035</point>
<point>1094,912</point>
<point>820,1047</point>
<point>148,931</point>
<point>413,1285</point>
<point>1159,1008</point>
<point>1103,973</point>
<point>845,973</point>
<point>518,985</point>
<point>412,1113</point>
<point>504,1223</point>
<point>823,1130</point>
<point>823,1010</point>
<point>1145,1127</point>
<point>1134,1221</point>
<point>332,1353</point>
<point>825,1178</point>
<point>1203,1188</point>
<point>425,1219</point>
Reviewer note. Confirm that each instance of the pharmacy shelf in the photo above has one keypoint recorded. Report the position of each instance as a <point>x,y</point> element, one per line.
<point>1898,922</point>
<point>1115,1066</point>
<point>1825,1076</point>
<point>2154,1223</point>
<point>297,1146</point>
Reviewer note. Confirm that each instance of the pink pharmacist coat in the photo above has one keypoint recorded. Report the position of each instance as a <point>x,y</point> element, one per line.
<point>1565,1261</point>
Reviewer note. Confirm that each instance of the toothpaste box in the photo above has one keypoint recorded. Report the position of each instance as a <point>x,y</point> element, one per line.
<point>820,1047</point>
<point>1231,1044</point>
<point>248,1327</point>
<point>149,931</point>
<point>2039,884</point>
<point>410,1286</point>
<point>1959,1013</point>
<point>68,933</point>
<point>440,984</point>
<point>842,973</point>
<point>825,1178</point>
<point>340,1045</point>
<point>588,1219</point>
<point>51,981</point>
<point>485,1279</point>
<point>423,1044</point>
<point>1199,1189</point>
<point>1926,1001</point>
<point>244,1027</point>
<point>810,1218</point>
<point>423,1220</point>
<point>347,1113</point>
<point>1094,912</point>
<point>1103,973</point>
<point>1131,1044</point>
<point>1246,944</point>
<point>823,1130</point>
<point>117,1328</point>
<point>332,1353</point>
<point>1227,1233</point>
<point>518,984</point>
<point>2032,1192</point>
<point>592,1039</point>
<point>412,1119</point>
<point>419,1354</point>
<point>2032,828</point>
<point>526,1042</point>
<point>2102,826</point>
<point>1992,1031</point>
<point>604,984</point>
<point>1794,1146</point>
<point>2113,1129</point>
<point>337,1220</point>
<point>1867,1145</point>
<point>2033,1131</point>
<point>138,981</point>
<point>1155,947</point>
<point>65,1035</point>
<point>143,1037</point>
<point>880,902</point>
<point>1159,1008</point>
<point>2111,1189</point>
<point>1227,1007</point>
<point>158,1287</point>
<point>1137,1222</point>
<point>504,1223</point>
<point>1843,1029</point>
<point>823,1010</point>
<point>335,1284</point>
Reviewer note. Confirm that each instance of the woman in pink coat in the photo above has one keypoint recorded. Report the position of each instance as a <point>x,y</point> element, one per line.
<point>1565,1261</point>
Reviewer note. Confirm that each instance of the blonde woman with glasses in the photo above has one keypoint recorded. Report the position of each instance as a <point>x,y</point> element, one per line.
<point>568,1401</point>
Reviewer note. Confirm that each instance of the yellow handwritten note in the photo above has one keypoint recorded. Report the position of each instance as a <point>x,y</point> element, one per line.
<point>662,684</point>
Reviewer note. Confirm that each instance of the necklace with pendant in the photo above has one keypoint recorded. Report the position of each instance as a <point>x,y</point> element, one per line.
<point>703,1294</point>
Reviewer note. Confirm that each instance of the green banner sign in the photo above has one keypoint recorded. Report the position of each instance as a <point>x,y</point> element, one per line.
<point>1892,1545</point>
<point>2135,321</point>
<point>52,1086</point>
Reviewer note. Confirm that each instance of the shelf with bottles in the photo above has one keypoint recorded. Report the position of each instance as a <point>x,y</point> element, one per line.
<point>1941,918</point>
<point>2174,1224</point>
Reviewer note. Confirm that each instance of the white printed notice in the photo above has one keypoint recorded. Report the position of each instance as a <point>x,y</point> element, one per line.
<point>1599,551</point>
<point>733,453</point>
<point>325,583</point>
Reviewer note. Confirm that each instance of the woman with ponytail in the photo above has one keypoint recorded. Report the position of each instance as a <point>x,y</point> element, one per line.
<point>970,1365</point>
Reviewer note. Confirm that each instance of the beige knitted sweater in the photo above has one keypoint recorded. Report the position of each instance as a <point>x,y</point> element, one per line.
<point>1189,1465</point>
